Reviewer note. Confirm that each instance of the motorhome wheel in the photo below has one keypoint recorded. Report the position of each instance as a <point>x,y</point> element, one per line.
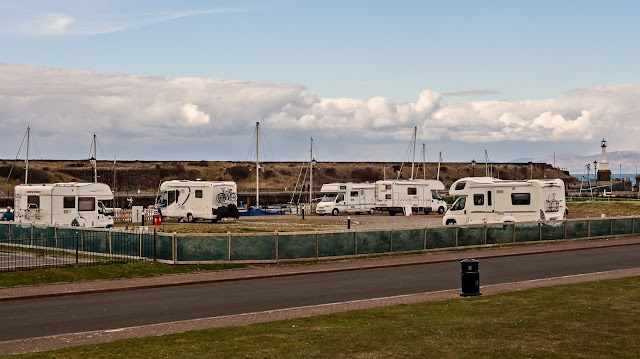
<point>441,210</point>
<point>334,212</point>
<point>392,213</point>
<point>427,212</point>
<point>189,218</point>
<point>372,211</point>
<point>451,222</point>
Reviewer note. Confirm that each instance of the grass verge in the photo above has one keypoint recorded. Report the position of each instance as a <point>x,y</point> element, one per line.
<point>108,271</point>
<point>610,209</point>
<point>588,320</point>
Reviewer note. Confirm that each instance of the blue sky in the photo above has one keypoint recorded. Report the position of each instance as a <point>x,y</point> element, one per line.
<point>496,75</point>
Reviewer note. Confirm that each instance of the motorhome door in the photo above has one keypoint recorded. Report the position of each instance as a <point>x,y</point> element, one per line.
<point>491,207</point>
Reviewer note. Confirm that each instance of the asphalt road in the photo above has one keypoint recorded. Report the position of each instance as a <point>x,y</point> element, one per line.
<point>49,316</point>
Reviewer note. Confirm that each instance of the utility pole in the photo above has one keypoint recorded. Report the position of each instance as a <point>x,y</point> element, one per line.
<point>257,166</point>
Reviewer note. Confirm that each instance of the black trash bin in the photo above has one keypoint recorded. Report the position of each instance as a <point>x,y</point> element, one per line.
<point>470,278</point>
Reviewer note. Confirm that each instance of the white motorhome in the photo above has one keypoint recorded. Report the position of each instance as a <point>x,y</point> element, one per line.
<point>347,198</point>
<point>402,196</point>
<point>193,200</point>
<point>490,200</point>
<point>65,204</point>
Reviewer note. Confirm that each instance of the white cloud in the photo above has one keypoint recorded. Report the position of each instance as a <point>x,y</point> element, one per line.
<point>61,103</point>
<point>193,116</point>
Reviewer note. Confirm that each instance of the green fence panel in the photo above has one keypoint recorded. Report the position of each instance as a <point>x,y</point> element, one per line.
<point>552,231</point>
<point>97,242</point>
<point>4,232</point>
<point>67,238</point>
<point>470,236</point>
<point>444,237</point>
<point>147,245</point>
<point>622,225</point>
<point>527,232</point>
<point>408,240</point>
<point>213,248</point>
<point>44,236</point>
<point>164,247</point>
<point>374,242</point>
<point>262,247</point>
<point>577,229</point>
<point>21,231</point>
<point>600,227</point>
<point>335,244</point>
<point>125,243</point>
<point>636,225</point>
<point>295,246</point>
<point>499,233</point>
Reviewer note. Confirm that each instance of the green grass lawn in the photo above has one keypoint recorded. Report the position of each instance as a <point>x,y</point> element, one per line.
<point>109,271</point>
<point>610,209</point>
<point>589,320</point>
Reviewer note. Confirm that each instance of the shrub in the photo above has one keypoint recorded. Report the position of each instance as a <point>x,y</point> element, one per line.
<point>238,173</point>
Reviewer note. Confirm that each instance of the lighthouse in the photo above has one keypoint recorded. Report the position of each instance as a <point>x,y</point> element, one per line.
<point>604,174</point>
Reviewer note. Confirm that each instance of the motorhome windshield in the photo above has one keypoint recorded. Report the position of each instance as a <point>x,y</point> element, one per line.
<point>436,195</point>
<point>328,198</point>
<point>459,204</point>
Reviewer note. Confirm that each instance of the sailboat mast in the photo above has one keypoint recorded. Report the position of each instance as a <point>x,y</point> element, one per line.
<point>311,171</point>
<point>95,158</point>
<point>26,172</point>
<point>424,162</point>
<point>413,159</point>
<point>257,165</point>
<point>439,161</point>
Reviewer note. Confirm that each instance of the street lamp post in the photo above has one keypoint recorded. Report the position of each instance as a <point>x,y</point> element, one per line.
<point>473,167</point>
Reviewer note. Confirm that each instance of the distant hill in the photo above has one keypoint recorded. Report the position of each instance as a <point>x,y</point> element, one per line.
<point>575,164</point>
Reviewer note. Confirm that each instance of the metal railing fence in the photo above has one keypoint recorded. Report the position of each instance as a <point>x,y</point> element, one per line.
<point>29,248</point>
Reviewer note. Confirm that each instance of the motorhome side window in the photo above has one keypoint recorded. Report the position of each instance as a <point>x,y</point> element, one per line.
<point>460,186</point>
<point>69,202</point>
<point>171,197</point>
<point>459,204</point>
<point>354,193</point>
<point>343,187</point>
<point>387,196</point>
<point>340,198</point>
<point>478,199</point>
<point>86,204</point>
<point>412,191</point>
<point>520,199</point>
<point>198,193</point>
<point>33,202</point>
<point>387,186</point>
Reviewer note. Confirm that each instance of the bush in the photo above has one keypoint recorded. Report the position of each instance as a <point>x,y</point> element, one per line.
<point>331,172</point>
<point>364,175</point>
<point>238,173</point>
<point>268,174</point>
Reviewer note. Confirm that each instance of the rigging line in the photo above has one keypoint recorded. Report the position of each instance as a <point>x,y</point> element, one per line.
<point>405,156</point>
<point>251,148</point>
<point>297,181</point>
<point>13,165</point>
<point>266,141</point>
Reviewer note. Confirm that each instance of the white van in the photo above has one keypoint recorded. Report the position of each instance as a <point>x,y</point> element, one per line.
<point>193,200</point>
<point>404,196</point>
<point>64,204</point>
<point>347,198</point>
<point>490,200</point>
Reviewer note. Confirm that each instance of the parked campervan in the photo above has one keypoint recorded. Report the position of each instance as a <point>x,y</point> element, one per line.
<point>65,204</point>
<point>192,200</point>
<point>407,196</point>
<point>490,200</point>
<point>347,198</point>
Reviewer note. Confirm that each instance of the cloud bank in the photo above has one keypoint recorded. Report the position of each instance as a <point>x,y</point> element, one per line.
<point>187,112</point>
